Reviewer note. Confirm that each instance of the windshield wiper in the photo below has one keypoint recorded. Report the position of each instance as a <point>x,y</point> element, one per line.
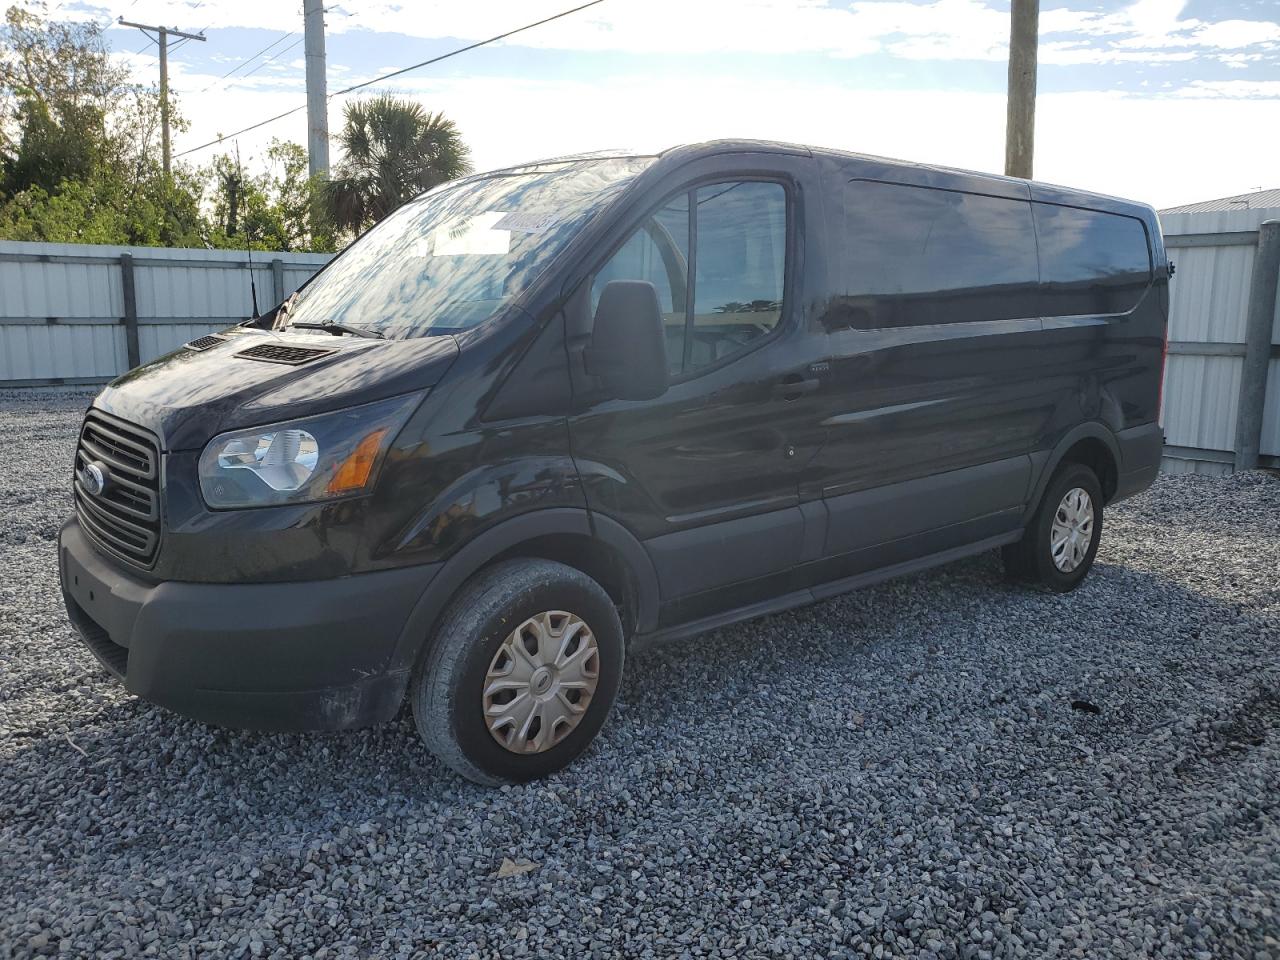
<point>338,329</point>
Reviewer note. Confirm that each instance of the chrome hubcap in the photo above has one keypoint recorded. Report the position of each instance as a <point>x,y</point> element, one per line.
<point>541,681</point>
<point>1072,530</point>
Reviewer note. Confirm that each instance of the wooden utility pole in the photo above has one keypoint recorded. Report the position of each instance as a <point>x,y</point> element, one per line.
<point>1020,124</point>
<point>163,41</point>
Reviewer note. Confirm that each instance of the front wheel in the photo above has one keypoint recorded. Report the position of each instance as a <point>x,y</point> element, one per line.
<point>521,673</point>
<point>1059,544</point>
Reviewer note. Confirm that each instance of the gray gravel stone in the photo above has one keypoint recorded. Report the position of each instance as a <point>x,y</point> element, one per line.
<point>897,772</point>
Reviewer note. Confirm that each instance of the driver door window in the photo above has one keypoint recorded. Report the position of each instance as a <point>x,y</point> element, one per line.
<point>734,295</point>
<point>657,252</point>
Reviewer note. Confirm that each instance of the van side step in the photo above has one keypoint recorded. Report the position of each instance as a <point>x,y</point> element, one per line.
<point>825,591</point>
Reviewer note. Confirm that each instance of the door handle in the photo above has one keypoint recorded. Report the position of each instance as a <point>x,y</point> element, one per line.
<point>794,386</point>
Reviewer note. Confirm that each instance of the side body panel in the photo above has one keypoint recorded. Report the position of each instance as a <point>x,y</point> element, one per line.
<point>932,402</point>
<point>1101,361</point>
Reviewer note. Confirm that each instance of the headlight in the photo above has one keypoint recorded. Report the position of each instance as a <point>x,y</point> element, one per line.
<point>318,458</point>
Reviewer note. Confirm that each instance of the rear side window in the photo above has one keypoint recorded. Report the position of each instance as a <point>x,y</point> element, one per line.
<point>1091,262</point>
<point>717,256</point>
<point>915,256</point>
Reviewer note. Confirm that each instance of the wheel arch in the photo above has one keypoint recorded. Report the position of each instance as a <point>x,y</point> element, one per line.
<point>599,547</point>
<point>1092,444</point>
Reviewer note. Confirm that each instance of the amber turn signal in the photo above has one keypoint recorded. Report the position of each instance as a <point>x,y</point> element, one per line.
<point>353,473</point>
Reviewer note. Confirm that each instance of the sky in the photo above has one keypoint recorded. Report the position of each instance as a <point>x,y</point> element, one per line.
<point>1164,101</point>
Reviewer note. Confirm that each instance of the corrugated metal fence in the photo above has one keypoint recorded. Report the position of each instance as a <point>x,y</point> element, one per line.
<point>72,313</point>
<point>1214,254</point>
<point>84,314</point>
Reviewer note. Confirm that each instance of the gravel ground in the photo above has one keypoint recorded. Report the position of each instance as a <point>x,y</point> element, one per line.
<point>940,766</point>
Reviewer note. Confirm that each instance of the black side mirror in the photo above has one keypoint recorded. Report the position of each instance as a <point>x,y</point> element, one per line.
<point>628,349</point>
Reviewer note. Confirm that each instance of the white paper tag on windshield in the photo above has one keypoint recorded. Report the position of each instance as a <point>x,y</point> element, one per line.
<point>470,236</point>
<point>527,222</point>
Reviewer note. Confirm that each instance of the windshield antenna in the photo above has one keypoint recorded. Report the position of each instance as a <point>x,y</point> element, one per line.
<point>248,245</point>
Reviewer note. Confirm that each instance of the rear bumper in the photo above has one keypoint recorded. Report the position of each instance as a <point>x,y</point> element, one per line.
<point>1140,451</point>
<point>311,655</point>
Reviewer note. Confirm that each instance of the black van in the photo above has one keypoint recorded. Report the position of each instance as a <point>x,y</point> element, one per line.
<point>539,414</point>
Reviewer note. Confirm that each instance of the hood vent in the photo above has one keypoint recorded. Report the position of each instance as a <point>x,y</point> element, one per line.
<point>204,343</point>
<point>279,353</point>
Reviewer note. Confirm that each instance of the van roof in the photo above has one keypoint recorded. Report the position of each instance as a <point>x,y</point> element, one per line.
<point>875,167</point>
<point>912,171</point>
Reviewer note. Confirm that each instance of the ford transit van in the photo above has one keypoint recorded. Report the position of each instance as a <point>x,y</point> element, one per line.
<point>540,416</point>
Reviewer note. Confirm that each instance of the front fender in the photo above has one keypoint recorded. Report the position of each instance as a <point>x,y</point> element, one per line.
<point>479,499</point>
<point>506,535</point>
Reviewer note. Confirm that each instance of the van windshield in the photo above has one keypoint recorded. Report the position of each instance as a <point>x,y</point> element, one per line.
<point>453,257</point>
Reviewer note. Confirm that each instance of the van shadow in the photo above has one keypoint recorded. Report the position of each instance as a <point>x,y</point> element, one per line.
<point>876,680</point>
<point>948,646</point>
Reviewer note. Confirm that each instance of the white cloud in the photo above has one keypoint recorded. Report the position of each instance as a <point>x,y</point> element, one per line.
<point>1236,34</point>
<point>1155,18</point>
<point>1205,140</point>
<point>1070,54</point>
<point>1174,149</point>
<point>941,30</point>
<point>1239,61</point>
<point>1236,89</point>
<point>1186,141</point>
<point>1158,24</point>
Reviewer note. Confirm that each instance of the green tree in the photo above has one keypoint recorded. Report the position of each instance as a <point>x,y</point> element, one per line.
<point>272,209</point>
<point>80,158</point>
<point>57,86</point>
<point>78,144</point>
<point>392,150</point>
<point>104,210</point>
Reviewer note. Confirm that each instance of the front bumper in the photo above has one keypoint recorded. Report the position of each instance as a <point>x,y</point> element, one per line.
<point>310,655</point>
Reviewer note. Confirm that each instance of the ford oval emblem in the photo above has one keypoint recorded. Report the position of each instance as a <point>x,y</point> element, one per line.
<point>94,478</point>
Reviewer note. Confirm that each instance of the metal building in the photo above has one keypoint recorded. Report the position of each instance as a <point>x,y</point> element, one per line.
<point>1214,246</point>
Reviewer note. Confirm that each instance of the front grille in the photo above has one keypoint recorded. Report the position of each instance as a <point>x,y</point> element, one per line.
<point>125,517</point>
<point>204,343</point>
<point>279,353</point>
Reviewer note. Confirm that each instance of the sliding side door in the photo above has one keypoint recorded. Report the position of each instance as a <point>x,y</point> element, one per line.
<point>933,327</point>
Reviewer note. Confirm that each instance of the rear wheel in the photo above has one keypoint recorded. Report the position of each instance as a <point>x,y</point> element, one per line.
<point>521,673</point>
<point>1059,544</point>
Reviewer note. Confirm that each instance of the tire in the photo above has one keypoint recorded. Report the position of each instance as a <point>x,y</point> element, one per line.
<point>546,607</point>
<point>1032,558</point>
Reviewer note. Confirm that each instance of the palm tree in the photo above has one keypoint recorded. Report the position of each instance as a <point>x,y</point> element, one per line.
<point>393,150</point>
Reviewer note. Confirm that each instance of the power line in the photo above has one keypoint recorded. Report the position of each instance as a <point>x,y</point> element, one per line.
<point>145,49</point>
<point>188,39</point>
<point>454,53</point>
<point>260,123</point>
<point>248,60</point>
<point>393,73</point>
<point>270,60</point>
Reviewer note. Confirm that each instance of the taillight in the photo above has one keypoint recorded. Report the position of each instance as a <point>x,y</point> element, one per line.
<point>1164,373</point>
<point>1164,346</point>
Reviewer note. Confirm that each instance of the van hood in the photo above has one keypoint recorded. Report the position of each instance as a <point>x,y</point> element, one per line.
<point>191,395</point>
